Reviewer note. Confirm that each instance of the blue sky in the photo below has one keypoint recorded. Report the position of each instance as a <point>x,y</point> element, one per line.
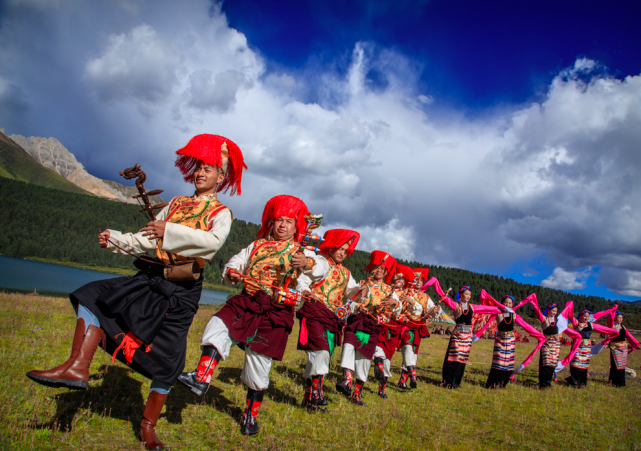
<point>501,137</point>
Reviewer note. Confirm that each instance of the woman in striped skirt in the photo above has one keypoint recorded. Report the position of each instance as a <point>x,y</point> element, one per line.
<point>580,364</point>
<point>619,349</point>
<point>458,350</point>
<point>553,326</point>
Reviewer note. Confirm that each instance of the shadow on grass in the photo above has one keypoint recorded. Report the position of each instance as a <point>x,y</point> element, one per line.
<point>118,396</point>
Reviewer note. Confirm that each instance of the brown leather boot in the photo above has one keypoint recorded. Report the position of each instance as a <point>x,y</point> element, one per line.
<point>76,373</point>
<point>54,373</point>
<point>150,419</point>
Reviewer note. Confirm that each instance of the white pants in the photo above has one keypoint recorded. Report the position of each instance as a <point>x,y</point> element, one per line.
<point>409,358</point>
<point>386,363</point>
<point>256,368</point>
<point>355,361</point>
<point>317,363</point>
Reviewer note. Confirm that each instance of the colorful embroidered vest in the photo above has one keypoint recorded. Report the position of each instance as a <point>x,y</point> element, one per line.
<point>268,262</point>
<point>377,294</point>
<point>195,213</point>
<point>332,288</point>
<point>419,297</point>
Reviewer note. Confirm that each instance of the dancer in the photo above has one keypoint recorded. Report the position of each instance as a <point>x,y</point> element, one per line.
<point>553,326</point>
<point>389,338</point>
<point>252,319</point>
<point>458,349</point>
<point>504,343</point>
<point>147,316</point>
<point>415,325</point>
<point>320,326</point>
<point>585,324</point>
<point>362,328</point>
<point>619,349</point>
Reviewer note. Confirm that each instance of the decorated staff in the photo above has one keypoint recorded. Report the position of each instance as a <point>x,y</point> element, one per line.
<point>320,326</point>
<point>260,318</point>
<point>553,325</point>
<point>361,329</point>
<point>458,349</point>
<point>502,370</point>
<point>620,346</point>
<point>389,338</point>
<point>147,316</point>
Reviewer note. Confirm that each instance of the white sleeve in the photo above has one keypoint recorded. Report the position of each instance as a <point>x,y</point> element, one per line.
<point>238,262</point>
<point>135,243</point>
<point>188,242</point>
<point>416,309</point>
<point>399,308</point>
<point>352,288</point>
<point>314,275</point>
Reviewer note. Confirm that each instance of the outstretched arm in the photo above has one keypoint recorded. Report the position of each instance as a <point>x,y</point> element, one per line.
<point>576,337</point>
<point>597,315</point>
<point>631,340</point>
<point>535,303</point>
<point>437,286</point>
<point>533,333</point>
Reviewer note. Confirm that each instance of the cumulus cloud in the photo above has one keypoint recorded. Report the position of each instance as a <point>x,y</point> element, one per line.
<point>567,280</point>
<point>622,281</point>
<point>364,145</point>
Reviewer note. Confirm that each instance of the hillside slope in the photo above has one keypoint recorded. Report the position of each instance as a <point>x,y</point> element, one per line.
<point>16,164</point>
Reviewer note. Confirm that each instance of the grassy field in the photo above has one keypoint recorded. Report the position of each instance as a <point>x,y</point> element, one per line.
<point>36,332</point>
<point>122,271</point>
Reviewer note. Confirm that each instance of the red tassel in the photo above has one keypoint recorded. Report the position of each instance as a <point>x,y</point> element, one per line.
<point>303,332</point>
<point>129,344</point>
<point>405,272</point>
<point>376,258</point>
<point>423,273</point>
<point>288,206</point>
<point>335,238</point>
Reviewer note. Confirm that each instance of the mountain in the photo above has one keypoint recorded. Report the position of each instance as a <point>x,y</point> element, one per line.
<point>51,154</point>
<point>16,164</point>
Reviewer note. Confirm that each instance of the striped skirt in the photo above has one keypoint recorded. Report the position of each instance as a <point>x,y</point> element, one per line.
<point>460,344</point>
<point>581,359</point>
<point>619,352</point>
<point>503,356</point>
<point>551,350</point>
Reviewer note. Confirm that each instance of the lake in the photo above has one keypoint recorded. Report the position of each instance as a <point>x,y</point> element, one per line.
<point>46,278</point>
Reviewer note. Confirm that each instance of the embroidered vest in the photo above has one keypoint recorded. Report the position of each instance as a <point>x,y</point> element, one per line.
<point>268,262</point>
<point>377,294</point>
<point>190,212</point>
<point>332,288</point>
<point>419,297</point>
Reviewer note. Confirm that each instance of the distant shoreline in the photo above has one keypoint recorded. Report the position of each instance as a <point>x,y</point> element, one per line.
<point>121,271</point>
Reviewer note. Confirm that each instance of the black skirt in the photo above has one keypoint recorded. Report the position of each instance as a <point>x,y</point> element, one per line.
<point>498,378</point>
<point>157,311</point>
<point>578,377</point>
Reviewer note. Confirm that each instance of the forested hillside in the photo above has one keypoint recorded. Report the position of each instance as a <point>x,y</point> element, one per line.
<point>48,223</point>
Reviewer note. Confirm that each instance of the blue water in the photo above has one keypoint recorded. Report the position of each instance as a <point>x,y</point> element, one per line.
<point>45,278</point>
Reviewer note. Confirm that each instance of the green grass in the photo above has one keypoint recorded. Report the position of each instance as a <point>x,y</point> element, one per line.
<point>36,331</point>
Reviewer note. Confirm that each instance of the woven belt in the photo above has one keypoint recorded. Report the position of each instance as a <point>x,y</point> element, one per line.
<point>462,328</point>
<point>505,333</point>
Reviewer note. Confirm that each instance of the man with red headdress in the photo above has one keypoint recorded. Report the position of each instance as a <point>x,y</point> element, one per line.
<point>418,308</point>
<point>255,319</point>
<point>321,327</point>
<point>364,325</point>
<point>391,331</point>
<point>148,316</point>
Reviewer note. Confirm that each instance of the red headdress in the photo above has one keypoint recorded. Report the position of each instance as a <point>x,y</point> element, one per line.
<point>422,272</point>
<point>404,272</point>
<point>213,150</point>
<point>288,206</point>
<point>336,238</point>
<point>380,258</point>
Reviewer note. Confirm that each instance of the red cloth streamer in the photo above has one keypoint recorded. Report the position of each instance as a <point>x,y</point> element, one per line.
<point>303,331</point>
<point>378,258</point>
<point>288,206</point>
<point>335,238</point>
<point>208,149</point>
<point>129,344</point>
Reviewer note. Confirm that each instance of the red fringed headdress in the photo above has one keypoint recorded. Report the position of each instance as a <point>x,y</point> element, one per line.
<point>385,260</point>
<point>335,238</point>
<point>405,272</point>
<point>213,150</point>
<point>288,206</point>
<point>423,272</point>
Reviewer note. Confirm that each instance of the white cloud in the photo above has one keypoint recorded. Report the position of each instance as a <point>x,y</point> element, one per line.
<point>621,281</point>
<point>567,280</point>
<point>558,177</point>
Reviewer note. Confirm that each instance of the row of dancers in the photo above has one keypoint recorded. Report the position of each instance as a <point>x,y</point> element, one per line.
<point>143,320</point>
